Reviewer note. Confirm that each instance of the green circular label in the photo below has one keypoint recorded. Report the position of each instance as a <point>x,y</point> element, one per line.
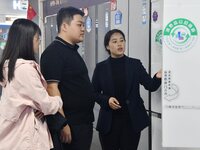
<point>180,35</point>
<point>158,38</point>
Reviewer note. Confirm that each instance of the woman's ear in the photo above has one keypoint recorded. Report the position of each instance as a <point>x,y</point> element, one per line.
<point>108,47</point>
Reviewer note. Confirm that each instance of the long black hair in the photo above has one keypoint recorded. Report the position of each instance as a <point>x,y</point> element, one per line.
<point>19,45</point>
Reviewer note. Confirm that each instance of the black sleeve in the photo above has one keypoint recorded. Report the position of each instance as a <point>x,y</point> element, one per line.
<point>151,84</point>
<point>56,121</point>
<point>100,98</point>
<point>52,65</point>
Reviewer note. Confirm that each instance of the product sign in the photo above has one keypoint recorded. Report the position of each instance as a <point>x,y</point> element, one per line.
<point>118,17</point>
<point>88,23</point>
<point>20,5</point>
<point>158,38</point>
<point>180,82</point>
<point>155,16</point>
<point>180,34</point>
<point>106,19</point>
<point>3,35</point>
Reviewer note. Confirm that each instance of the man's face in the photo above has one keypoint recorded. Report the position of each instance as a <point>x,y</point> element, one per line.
<point>76,29</point>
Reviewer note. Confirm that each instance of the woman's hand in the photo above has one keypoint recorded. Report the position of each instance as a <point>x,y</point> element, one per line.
<point>159,74</point>
<point>113,103</point>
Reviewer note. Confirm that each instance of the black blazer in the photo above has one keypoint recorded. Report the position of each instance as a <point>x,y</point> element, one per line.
<point>103,87</point>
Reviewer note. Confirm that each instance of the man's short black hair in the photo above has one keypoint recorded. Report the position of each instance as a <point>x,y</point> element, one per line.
<point>66,14</point>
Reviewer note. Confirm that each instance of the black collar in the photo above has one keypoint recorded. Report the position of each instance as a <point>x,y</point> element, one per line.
<point>75,47</point>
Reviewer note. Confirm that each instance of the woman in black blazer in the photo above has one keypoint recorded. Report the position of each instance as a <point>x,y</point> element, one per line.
<point>116,83</point>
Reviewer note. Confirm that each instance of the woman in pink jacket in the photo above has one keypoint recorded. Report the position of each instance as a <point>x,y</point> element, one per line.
<point>24,92</point>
